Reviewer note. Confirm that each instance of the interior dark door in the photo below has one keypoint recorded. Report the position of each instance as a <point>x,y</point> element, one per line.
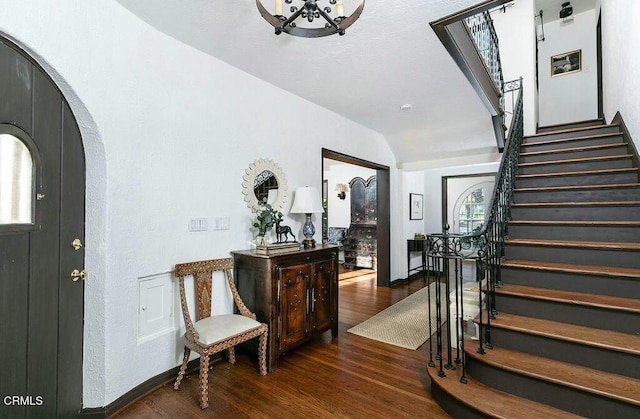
<point>41,307</point>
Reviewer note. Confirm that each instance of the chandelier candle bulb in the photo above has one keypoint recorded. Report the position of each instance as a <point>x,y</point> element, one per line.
<point>339,9</point>
<point>278,7</point>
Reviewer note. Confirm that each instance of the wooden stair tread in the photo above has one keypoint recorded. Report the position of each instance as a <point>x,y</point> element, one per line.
<point>570,139</point>
<point>588,336</point>
<point>580,173</point>
<point>571,297</point>
<point>613,386</point>
<point>580,160</point>
<point>577,223</point>
<point>576,244</point>
<point>567,130</point>
<point>578,187</point>
<point>493,403</point>
<point>576,204</point>
<point>574,269</point>
<point>573,149</point>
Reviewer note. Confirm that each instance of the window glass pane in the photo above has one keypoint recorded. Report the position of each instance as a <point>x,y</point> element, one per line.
<point>16,181</point>
<point>471,214</point>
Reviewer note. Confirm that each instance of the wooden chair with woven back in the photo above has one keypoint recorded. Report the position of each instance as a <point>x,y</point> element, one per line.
<point>212,334</point>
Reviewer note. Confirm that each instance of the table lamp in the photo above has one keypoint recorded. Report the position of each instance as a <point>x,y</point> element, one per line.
<point>307,201</point>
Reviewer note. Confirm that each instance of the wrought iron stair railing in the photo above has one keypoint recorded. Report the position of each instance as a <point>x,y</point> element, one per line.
<point>483,33</point>
<point>446,252</point>
<point>470,37</point>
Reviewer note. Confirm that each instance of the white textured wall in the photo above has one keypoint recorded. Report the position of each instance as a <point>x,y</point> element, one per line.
<point>413,182</point>
<point>168,133</point>
<point>621,72</point>
<point>570,97</point>
<point>516,36</point>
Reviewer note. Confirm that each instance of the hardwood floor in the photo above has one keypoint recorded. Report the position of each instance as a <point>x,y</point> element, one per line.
<point>349,377</point>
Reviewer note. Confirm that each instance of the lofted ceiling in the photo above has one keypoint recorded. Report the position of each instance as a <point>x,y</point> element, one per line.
<point>388,58</point>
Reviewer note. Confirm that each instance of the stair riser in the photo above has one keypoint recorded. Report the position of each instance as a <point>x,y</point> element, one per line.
<point>451,405</point>
<point>565,398</point>
<point>576,233</point>
<point>579,213</point>
<point>572,134</point>
<point>575,166</point>
<point>591,141</point>
<point>584,195</point>
<point>581,124</point>
<point>577,180</point>
<point>577,256</point>
<point>573,353</point>
<point>553,156</point>
<point>589,284</point>
<point>598,318</point>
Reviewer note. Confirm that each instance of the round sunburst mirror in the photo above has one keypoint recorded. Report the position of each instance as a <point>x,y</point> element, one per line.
<point>264,182</point>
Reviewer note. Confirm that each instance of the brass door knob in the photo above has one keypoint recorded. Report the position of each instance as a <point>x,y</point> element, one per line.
<point>76,274</point>
<point>76,244</point>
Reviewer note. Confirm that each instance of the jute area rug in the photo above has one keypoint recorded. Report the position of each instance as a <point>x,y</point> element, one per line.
<point>406,323</point>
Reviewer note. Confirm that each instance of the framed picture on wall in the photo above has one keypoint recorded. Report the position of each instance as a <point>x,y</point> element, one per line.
<point>415,206</point>
<point>567,63</point>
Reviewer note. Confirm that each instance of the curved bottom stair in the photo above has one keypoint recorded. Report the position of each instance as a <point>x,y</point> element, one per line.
<point>476,400</point>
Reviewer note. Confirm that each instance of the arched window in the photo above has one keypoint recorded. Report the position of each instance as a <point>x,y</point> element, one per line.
<point>16,181</point>
<point>471,212</point>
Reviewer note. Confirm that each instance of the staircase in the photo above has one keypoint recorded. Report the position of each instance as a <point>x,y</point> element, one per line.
<point>566,337</point>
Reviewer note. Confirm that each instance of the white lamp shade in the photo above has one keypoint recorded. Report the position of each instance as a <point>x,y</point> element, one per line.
<point>341,187</point>
<point>306,201</point>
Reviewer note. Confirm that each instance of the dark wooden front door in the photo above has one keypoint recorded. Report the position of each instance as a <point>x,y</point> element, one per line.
<point>41,308</point>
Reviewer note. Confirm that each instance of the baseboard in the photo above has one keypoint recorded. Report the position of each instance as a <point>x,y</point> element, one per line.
<point>140,391</point>
<point>617,119</point>
<point>416,276</point>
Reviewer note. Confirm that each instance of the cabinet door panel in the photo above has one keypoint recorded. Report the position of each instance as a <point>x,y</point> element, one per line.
<point>371,201</point>
<point>294,318</point>
<point>323,294</point>
<point>358,195</point>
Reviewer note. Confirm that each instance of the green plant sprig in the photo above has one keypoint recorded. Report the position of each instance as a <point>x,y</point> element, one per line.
<point>266,219</point>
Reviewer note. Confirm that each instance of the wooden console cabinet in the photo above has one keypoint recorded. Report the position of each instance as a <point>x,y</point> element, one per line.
<point>295,293</point>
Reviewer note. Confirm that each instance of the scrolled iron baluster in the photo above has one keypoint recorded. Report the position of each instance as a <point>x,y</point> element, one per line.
<point>430,262</point>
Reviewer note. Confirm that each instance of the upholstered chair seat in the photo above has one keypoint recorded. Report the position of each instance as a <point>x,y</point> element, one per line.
<point>215,329</point>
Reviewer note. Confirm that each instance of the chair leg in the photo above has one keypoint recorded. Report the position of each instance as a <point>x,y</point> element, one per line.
<point>183,367</point>
<point>262,353</point>
<point>204,381</point>
<point>232,354</point>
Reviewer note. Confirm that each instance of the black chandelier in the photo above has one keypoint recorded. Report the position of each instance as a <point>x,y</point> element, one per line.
<point>310,10</point>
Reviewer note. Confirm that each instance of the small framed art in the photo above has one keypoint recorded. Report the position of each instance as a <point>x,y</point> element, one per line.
<point>569,62</point>
<point>415,206</point>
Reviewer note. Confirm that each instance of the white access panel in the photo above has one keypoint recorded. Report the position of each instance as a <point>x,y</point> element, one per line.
<point>155,308</point>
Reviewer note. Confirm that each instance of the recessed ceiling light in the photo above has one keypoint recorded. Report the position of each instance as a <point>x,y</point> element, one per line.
<point>406,107</point>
